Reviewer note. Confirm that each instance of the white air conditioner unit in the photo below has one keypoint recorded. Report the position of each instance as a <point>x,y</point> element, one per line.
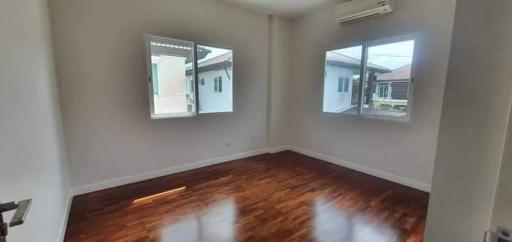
<point>356,10</point>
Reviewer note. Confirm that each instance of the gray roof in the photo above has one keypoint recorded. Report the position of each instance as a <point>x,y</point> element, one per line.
<point>337,59</point>
<point>219,62</point>
<point>402,73</point>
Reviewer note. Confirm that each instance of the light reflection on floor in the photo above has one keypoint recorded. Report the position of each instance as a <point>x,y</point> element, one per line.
<point>215,223</point>
<point>218,223</point>
<point>165,194</point>
<point>332,224</point>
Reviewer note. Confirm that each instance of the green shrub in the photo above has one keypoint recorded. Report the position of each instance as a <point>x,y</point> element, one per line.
<point>400,108</point>
<point>385,106</point>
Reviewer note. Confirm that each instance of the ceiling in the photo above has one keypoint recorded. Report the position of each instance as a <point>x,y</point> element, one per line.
<point>284,8</point>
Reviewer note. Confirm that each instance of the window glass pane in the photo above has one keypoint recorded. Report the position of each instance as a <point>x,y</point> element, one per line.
<point>340,65</point>
<point>172,79</point>
<point>215,67</point>
<point>388,79</point>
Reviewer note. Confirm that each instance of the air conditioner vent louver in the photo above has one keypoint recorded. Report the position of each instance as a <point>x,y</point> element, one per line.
<point>360,18</point>
<point>362,9</point>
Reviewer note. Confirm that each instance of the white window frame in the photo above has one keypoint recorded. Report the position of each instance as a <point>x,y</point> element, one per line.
<point>196,82</point>
<point>362,87</point>
<point>148,40</point>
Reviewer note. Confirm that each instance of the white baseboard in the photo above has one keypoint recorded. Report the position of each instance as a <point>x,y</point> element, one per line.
<point>198,164</point>
<point>278,149</point>
<point>360,168</point>
<point>64,224</point>
<point>163,172</point>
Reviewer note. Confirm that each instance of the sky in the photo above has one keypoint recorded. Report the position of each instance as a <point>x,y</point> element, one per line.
<point>391,56</point>
<point>214,52</point>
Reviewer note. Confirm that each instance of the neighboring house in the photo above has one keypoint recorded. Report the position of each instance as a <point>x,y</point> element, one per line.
<point>341,82</point>
<point>215,82</point>
<point>394,85</point>
<point>169,86</point>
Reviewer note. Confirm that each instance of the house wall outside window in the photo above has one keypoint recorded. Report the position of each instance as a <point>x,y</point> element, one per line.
<point>212,100</point>
<point>335,98</point>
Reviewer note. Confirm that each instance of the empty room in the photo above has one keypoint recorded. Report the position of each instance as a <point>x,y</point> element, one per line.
<point>255,120</point>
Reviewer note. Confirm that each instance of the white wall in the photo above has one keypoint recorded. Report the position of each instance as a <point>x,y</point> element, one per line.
<point>103,86</point>
<point>472,131</point>
<point>32,157</point>
<point>402,150</point>
<point>279,80</point>
<point>502,210</point>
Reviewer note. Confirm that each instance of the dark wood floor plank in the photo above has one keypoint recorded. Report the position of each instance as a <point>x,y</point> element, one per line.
<point>275,197</point>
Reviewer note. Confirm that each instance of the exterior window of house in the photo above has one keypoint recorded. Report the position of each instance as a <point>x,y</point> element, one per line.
<point>340,84</point>
<point>154,81</point>
<point>190,87</point>
<point>383,91</point>
<point>218,84</point>
<point>386,89</point>
<point>175,66</point>
<point>346,84</point>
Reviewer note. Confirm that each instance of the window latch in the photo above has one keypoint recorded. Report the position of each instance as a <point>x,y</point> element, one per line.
<point>21,210</point>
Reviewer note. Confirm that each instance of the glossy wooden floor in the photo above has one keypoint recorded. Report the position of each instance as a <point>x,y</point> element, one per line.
<point>278,197</point>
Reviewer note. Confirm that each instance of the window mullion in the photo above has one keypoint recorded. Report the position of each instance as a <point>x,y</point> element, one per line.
<point>195,70</point>
<point>362,78</point>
